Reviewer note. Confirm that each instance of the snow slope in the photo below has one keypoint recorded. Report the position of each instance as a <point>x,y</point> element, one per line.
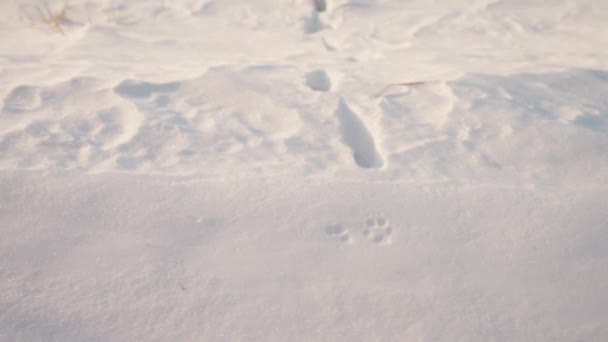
<point>256,170</point>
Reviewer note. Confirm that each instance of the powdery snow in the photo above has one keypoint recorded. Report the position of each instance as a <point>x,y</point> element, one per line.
<point>272,170</point>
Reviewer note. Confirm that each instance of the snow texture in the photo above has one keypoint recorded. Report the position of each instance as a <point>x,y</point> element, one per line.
<point>303,170</point>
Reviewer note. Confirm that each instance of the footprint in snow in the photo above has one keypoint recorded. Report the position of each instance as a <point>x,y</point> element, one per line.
<point>378,231</point>
<point>338,232</point>
<point>318,80</point>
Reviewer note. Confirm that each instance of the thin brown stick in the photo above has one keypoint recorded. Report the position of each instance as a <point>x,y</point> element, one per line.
<point>320,5</point>
<point>51,19</point>
<point>407,84</point>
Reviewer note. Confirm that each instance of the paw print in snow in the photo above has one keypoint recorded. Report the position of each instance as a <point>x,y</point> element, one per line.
<point>338,232</point>
<point>378,231</point>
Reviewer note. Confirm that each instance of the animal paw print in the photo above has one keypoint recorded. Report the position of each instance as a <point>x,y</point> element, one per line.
<point>338,232</point>
<point>378,231</point>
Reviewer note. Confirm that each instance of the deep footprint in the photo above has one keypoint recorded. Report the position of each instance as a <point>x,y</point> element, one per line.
<point>23,98</point>
<point>140,89</point>
<point>338,232</point>
<point>318,80</point>
<point>378,231</point>
<point>356,136</point>
<point>320,5</point>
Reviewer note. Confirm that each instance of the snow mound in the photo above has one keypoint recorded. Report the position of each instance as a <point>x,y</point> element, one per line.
<point>268,120</point>
<point>315,170</point>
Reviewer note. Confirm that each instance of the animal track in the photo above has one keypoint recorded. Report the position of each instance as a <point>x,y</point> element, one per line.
<point>338,232</point>
<point>320,5</point>
<point>23,98</point>
<point>314,24</point>
<point>378,231</point>
<point>318,80</point>
<point>139,89</point>
<point>356,136</point>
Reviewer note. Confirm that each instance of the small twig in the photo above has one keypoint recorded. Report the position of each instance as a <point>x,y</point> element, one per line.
<point>53,20</point>
<point>56,19</point>
<point>407,84</point>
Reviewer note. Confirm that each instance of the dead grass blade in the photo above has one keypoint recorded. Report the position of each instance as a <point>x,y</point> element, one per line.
<point>44,14</point>
<point>407,84</point>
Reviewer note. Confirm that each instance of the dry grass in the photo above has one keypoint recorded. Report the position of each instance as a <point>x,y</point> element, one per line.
<point>385,89</point>
<point>50,16</point>
<point>53,19</point>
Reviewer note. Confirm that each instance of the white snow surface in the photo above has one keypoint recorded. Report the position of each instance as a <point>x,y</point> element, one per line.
<point>260,170</point>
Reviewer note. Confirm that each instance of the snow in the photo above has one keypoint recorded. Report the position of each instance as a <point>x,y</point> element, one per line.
<point>273,171</point>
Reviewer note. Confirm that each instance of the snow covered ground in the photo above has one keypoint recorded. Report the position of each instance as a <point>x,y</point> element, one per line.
<point>256,170</point>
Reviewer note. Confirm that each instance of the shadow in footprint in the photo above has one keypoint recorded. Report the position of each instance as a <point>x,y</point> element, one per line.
<point>593,122</point>
<point>378,231</point>
<point>23,98</point>
<point>318,80</point>
<point>356,136</point>
<point>338,232</point>
<point>320,5</point>
<point>138,89</point>
<point>313,24</point>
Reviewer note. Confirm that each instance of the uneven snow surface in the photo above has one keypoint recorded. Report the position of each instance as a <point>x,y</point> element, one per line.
<point>272,170</point>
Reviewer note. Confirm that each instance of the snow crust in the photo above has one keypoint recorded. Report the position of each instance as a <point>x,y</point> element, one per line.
<point>274,171</point>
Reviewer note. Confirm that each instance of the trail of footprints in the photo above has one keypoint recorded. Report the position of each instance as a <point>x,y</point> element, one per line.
<point>376,231</point>
<point>354,132</point>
